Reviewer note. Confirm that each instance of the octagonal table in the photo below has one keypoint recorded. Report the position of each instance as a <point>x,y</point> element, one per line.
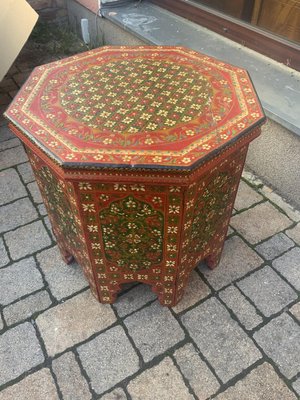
<point>138,153</point>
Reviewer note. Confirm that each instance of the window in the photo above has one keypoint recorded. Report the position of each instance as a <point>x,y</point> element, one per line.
<point>271,27</point>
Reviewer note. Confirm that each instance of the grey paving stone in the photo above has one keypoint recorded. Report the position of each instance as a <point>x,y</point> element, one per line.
<point>37,386</point>
<point>153,330</point>
<point>162,382</point>
<point>196,290</point>
<point>5,133</point>
<point>19,351</point>
<point>8,144</point>
<point>289,266</point>
<point>27,240</point>
<point>294,233</point>
<point>73,321</point>
<point>42,209</point>
<point>116,394</point>
<point>108,359</point>
<point>296,386</point>
<point>220,339</point>
<point>246,197</point>
<point>11,157</point>
<point>290,211</point>
<point>63,279</point>
<point>260,222</point>
<point>200,377</point>
<point>26,172</point>
<point>49,227</point>
<point>11,186</point>
<point>295,310</point>
<point>35,192</point>
<point>275,246</point>
<point>3,254</point>
<point>268,291</point>
<point>19,279</point>
<point>260,384</point>
<point>134,299</point>
<point>280,340</point>
<point>230,231</point>
<point>25,308</point>
<point>237,260</point>
<point>69,378</point>
<point>241,307</point>
<point>15,214</point>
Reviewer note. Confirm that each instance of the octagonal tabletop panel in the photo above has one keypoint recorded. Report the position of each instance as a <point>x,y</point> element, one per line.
<point>147,106</point>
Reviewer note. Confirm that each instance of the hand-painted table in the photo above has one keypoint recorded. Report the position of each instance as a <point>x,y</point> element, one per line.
<point>138,153</point>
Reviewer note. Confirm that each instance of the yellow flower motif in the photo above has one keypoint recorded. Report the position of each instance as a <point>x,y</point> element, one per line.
<point>186,160</point>
<point>98,157</point>
<point>174,209</point>
<point>78,100</point>
<point>83,109</point>
<point>145,116</point>
<point>107,141</point>
<point>190,132</point>
<point>127,120</point>
<point>87,118</point>
<point>120,187</point>
<point>216,118</point>
<point>88,207</point>
<point>172,101</point>
<point>156,104</point>
<point>206,146</point>
<point>241,125</point>
<point>164,113</point>
<point>138,188</point>
<point>70,156</point>
<point>109,124</point>
<point>157,200</point>
<point>133,130</point>
<point>157,159</point>
<point>126,158</point>
<point>149,96</point>
<point>170,122</point>
<point>92,228</point>
<point>85,186</point>
<point>105,114</point>
<point>196,106</point>
<point>117,102</point>
<point>151,126</point>
<point>148,141</point>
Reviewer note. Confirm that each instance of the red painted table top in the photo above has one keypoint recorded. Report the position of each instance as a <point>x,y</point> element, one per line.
<point>144,106</point>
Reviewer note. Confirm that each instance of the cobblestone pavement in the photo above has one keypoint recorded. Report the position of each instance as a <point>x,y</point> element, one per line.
<point>234,336</point>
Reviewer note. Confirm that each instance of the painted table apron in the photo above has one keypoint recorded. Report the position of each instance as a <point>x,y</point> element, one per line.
<point>138,153</point>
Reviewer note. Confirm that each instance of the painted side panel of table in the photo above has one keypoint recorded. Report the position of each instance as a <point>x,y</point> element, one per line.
<point>121,231</point>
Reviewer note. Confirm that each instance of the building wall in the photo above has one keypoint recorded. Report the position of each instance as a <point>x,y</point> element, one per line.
<point>51,10</point>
